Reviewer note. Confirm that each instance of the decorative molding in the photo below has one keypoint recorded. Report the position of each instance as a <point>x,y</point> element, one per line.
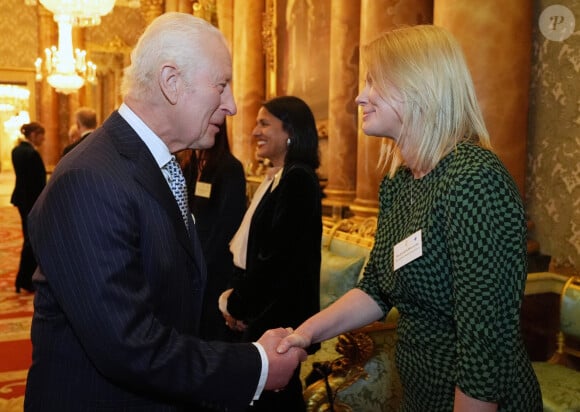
<point>133,4</point>
<point>354,230</point>
<point>207,10</point>
<point>115,45</point>
<point>337,375</point>
<point>322,128</point>
<point>150,9</point>
<point>269,45</point>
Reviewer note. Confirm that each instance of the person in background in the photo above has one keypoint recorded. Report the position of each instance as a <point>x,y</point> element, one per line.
<point>450,247</point>
<point>217,191</point>
<point>121,272</point>
<point>73,136</point>
<point>277,248</point>
<point>85,122</point>
<point>30,180</point>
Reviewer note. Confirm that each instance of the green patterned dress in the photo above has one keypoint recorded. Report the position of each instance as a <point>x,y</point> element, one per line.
<point>459,303</point>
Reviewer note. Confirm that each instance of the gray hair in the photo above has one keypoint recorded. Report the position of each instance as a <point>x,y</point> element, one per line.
<point>172,37</point>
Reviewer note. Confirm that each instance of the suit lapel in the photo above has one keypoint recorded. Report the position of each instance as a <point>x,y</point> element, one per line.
<point>149,177</point>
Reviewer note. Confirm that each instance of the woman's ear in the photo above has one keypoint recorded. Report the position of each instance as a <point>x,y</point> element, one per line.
<point>169,82</point>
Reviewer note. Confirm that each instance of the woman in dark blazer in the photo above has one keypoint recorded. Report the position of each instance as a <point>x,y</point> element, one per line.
<point>216,185</point>
<point>30,180</point>
<point>280,283</point>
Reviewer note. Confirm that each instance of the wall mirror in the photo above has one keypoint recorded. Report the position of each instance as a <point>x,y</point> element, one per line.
<point>17,107</point>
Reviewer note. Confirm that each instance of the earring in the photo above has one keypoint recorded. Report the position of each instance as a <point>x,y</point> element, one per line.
<point>288,142</point>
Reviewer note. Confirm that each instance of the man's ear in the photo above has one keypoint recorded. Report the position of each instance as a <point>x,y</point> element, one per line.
<point>169,82</point>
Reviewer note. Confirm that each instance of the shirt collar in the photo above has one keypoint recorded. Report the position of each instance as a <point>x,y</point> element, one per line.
<point>277,176</point>
<point>155,145</point>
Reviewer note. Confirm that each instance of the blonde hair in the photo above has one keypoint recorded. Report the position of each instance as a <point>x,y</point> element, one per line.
<point>426,66</point>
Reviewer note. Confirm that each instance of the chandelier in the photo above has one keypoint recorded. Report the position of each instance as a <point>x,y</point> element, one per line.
<point>83,12</point>
<point>68,70</point>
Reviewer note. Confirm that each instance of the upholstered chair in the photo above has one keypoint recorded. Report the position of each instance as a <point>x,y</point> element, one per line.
<point>559,377</point>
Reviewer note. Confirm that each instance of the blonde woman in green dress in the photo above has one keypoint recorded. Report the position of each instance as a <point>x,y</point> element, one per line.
<point>450,247</point>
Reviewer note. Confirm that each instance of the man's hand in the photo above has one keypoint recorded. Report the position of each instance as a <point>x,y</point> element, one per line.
<point>281,366</point>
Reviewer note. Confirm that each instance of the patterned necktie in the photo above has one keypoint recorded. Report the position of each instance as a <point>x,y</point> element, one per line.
<point>178,187</point>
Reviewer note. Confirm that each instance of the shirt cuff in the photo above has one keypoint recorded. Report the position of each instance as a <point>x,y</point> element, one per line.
<point>263,373</point>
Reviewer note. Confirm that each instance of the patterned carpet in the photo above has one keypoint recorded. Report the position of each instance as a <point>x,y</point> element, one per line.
<point>15,316</point>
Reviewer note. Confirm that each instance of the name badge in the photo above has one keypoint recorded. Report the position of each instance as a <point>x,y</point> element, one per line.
<point>407,250</point>
<point>203,189</point>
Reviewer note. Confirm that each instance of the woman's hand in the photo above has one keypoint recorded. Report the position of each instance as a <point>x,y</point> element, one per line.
<point>294,340</point>
<point>231,322</point>
<point>234,324</point>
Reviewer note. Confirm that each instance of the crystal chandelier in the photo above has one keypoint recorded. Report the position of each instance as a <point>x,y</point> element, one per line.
<point>83,12</point>
<point>68,70</point>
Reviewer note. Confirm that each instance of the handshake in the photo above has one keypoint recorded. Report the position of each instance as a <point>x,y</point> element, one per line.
<point>285,350</point>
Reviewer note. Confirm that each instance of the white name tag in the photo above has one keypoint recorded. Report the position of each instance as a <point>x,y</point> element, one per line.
<point>407,250</point>
<point>203,189</point>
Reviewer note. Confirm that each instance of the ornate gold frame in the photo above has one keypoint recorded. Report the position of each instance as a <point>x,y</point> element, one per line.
<point>24,78</point>
<point>21,77</point>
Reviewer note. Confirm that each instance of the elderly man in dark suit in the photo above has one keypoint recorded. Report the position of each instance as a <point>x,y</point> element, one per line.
<point>121,274</point>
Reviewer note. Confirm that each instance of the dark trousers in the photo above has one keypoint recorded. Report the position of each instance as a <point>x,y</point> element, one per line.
<point>27,260</point>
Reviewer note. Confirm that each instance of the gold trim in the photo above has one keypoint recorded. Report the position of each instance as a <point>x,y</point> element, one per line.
<point>363,211</point>
<point>269,40</point>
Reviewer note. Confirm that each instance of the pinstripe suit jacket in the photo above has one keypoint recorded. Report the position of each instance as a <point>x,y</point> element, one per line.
<point>119,291</point>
